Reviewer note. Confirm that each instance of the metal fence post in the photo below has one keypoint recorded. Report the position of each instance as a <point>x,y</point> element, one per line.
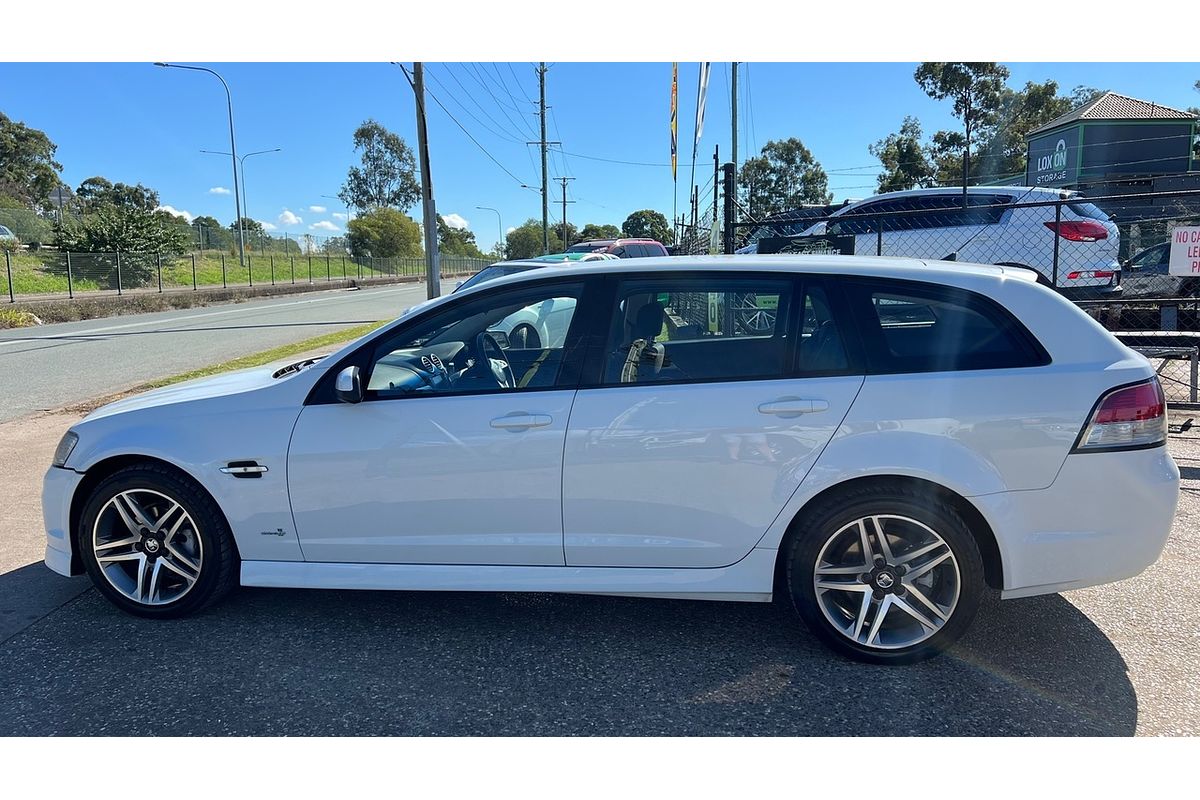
<point>12,297</point>
<point>1195,372</point>
<point>878,236</point>
<point>1057,224</point>
<point>224,282</point>
<point>328,276</point>
<point>272,269</point>
<point>310,267</point>
<point>158,259</point>
<point>343,268</point>
<point>250,269</point>
<point>70,278</point>
<point>118,272</point>
<point>193,272</point>
<point>292,259</point>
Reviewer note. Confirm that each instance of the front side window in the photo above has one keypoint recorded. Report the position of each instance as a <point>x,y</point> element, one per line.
<point>502,342</point>
<point>915,328</point>
<point>698,330</point>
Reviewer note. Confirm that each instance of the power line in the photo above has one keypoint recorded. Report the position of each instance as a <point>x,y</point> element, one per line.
<point>468,111</point>
<point>474,71</point>
<point>509,135</point>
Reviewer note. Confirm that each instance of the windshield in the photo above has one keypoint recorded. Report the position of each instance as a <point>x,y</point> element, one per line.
<point>491,273</point>
<point>5,231</point>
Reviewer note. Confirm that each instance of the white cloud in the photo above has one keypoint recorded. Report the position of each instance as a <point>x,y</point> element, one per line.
<point>323,225</point>
<point>510,229</point>
<point>267,226</point>
<point>288,218</point>
<point>338,215</point>
<point>178,212</point>
<point>219,190</point>
<point>456,221</point>
<point>317,209</point>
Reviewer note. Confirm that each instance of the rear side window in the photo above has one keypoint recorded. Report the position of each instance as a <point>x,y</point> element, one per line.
<point>702,329</point>
<point>923,328</point>
<point>1087,211</point>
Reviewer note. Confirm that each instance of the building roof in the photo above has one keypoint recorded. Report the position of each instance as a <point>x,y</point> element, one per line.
<point>1110,106</point>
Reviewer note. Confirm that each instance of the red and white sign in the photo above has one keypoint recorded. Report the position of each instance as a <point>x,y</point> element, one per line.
<point>1185,251</point>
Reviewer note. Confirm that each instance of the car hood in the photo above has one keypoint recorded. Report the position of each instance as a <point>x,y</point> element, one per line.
<point>229,383</point>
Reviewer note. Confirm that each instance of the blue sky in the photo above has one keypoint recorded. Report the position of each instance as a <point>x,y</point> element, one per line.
<point>136,122</point>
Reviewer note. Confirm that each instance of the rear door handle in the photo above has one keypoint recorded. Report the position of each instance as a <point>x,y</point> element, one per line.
<point>521,421</point>
<point>793,407</point>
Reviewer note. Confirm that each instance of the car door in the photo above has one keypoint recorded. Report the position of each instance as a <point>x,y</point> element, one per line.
<point>441,463</point>
<point>702,412</point>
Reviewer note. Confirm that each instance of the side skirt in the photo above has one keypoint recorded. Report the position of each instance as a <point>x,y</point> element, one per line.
<point>748,580</point>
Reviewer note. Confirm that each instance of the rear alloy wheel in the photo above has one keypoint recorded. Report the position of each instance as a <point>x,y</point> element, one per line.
<point>155,544</point>
<point>886,579</point>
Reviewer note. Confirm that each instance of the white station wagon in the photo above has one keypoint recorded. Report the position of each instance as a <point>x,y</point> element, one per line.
<point>880,439</point>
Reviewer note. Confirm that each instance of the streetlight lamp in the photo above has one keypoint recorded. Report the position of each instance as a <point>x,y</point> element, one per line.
<point>499,223</point>
<point>242,161</point>
<point>237,200</point>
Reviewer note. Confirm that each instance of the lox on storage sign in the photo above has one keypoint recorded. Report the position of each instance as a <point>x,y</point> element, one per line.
<point>1185,251</point>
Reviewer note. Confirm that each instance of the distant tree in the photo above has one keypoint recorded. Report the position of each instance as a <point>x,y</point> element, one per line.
<point>209,233</point>
<point>526,241</point>
<point>97,192</point>
<point>569,237</point>
<point>904,160</point>
<point>974,87</point>
<point>28,171</point>
<point>782,177</point>
<point>384,233</point>
<point>335,245</point>
<point>1194,110</point>
<point>387,177</point>
<point>250,226</point>
<point>593,231</point>
<point>457,241</point>
<point>1003,144</point>
<point>649,224</point>
<point>1082,95</point>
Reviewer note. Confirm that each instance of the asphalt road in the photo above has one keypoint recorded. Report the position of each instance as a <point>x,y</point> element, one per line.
<point>1117,660</point>
<point>55,365</point>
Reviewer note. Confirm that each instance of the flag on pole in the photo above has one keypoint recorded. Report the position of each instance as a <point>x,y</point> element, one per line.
<point>701,93</point>
<point>674,118</point>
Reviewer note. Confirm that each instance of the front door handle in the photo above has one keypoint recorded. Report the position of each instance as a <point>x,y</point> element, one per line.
<point>521,421</point>
<point>793,407</point>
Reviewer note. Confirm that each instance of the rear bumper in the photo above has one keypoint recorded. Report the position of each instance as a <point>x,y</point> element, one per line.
<point>1106,517</point>
<point>58,487</point>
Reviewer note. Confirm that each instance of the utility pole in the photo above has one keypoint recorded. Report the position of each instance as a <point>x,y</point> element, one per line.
<point>433,271</point>
<point>566,235</point>
<point>545,175</point>
<point>733,115</point>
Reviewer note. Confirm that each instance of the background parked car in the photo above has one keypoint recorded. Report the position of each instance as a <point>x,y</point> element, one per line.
<point>934,224</point>
<point>621,248</point>
<point>1146,275</point>
<point>8,239</point>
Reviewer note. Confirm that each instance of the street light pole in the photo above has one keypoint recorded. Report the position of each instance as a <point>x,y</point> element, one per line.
<point>242,161</point>
<point>237,200</point>
<point>499,224</point>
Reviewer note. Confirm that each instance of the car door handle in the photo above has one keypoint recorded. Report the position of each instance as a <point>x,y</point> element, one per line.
<point>521,421</point>
<point>793,407</point>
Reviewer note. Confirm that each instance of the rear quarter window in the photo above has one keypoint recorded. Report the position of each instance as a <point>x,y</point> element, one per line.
<point>908,327</point>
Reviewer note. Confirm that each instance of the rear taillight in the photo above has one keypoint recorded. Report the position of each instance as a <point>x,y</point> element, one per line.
<point>1125,418</point>
<point>1099,273</point>
<point>1083,230</point>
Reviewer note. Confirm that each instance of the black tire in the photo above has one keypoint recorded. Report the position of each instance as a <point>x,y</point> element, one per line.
<point>835,513</point>
<point>218,573</point>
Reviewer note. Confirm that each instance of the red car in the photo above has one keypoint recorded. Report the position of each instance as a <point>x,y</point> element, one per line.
<point>621,248</point>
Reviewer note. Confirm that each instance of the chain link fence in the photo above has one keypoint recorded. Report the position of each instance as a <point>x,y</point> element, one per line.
<point>52,274</point>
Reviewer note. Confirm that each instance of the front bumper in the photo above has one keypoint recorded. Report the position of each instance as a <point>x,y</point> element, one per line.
<point>1106,517</point>
<point>58,488</point>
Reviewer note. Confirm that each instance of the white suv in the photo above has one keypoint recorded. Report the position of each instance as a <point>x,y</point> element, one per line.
<point>887,439</point>
<point>934,224</point>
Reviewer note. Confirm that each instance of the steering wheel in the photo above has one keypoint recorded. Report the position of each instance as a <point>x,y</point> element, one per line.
<point>485,346</point>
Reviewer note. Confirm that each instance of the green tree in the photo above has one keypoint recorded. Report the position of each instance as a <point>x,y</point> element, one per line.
<point>1003,148</point>
<point>456,241</point>
<point>904,160</point>
<point>648,224</point>
<point>28,171</point>
<point>209,233</point>
<point>526,241</point>
<point>384,233</point>
<point>594,231</point>
<point>782,177</point>
<point>974,87</point>
<point>141,238</point>
<point>97,192</point>
<point>387,177</point>
<point>568,238</point>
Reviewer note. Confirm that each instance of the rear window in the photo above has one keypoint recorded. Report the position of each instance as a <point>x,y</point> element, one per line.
<point>1088,211</point>
<point>918,328</point>
<point>584,247</point>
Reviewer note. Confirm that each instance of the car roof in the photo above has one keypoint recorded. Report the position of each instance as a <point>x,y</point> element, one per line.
<point>953,273</point>
<point>940,190</point>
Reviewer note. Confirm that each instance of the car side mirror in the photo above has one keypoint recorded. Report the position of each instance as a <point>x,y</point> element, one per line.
<point>348,385</point>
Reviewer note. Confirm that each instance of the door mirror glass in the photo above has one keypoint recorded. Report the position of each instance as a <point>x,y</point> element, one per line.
<point>348,386</point>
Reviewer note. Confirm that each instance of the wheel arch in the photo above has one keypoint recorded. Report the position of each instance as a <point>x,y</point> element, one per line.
<point>977,524</point>
<point>106,467</point>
